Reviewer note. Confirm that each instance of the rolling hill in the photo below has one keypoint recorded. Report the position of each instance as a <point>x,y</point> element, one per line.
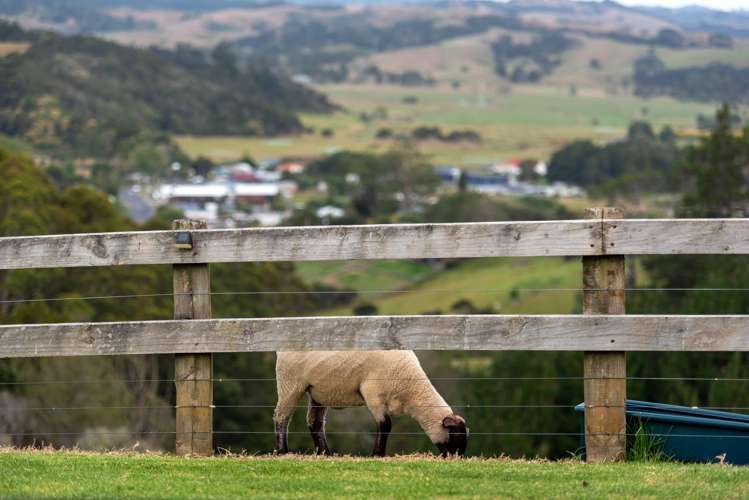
<point>528,76</point>
<point>88,96</point>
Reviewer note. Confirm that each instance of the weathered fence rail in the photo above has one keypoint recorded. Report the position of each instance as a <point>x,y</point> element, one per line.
<point>459,332</point>
<point>394,241</point>
<point>604,333</point>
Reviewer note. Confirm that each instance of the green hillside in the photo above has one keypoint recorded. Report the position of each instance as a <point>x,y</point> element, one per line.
<point>90,97</point>
<point>508,286</point>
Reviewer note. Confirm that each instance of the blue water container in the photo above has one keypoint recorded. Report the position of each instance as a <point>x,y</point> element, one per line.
<point>688,434</point>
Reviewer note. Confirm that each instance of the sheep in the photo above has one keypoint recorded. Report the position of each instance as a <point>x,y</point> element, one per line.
<point>389,383</point>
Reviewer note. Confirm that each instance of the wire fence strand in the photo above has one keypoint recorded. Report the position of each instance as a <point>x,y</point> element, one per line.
<point>410,379</point>
<point>371,433</point>
<point>370,292</point>
<point>567,406</point>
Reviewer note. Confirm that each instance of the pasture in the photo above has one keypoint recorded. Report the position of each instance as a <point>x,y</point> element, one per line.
<point>71,474</point>
<point>511,286</point>
<point>575,101</point>
<point>528,122</point>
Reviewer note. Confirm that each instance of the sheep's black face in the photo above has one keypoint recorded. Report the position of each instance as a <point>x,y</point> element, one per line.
<point>457,436</point>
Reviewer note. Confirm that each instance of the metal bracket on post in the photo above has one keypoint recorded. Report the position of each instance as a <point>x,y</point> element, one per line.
<point>183,240</point>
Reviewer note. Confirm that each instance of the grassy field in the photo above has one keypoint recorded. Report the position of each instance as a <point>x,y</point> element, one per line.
<point>366,276</point>
<point>77,475</point>
<point>405,287</point>
<point>528,122</point>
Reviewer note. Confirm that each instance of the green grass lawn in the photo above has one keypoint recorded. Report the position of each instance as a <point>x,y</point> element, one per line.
<point>78,475</point>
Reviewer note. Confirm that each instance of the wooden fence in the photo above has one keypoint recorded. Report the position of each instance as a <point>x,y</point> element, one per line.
<point>603,332</point>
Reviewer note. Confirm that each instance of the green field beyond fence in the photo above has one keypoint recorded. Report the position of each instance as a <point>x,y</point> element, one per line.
<point>38,474</point>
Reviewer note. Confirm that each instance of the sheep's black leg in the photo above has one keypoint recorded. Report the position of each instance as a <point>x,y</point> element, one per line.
<point>381,438</point>
<point>282,435</point>
<point>316,423</point>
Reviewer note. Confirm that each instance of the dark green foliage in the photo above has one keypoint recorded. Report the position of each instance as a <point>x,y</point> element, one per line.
<point>12,32</point>
<point>96,98</point>
<point>670,38</point>
<point>709,122</point>
<point>86,18</point>
<point>717,168</point>
<point>322,48</point>
<point>716,186</point>
<point>550,388</point>
<point>721,40</point>
<point>33,205</point>
<point>406,78</point>
<point>641,163</point>
<point>377,186</point>
<point>365,309</point>
<point>384,133</point>
<point>713,82</point>
<point>475,207</point>
<point>436,134</point>
<point>542,53</point>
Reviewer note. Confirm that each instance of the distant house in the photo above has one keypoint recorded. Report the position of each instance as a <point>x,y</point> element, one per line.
<point>258,194</point>
<point>510,170</point>
<point>294,164</point>
<point>242,172</point>
<point>290,167</point>
<point>193,193</point>
<point>224,195</point>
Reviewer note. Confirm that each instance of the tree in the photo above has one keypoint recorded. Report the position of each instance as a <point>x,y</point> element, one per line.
<point>642,163</point>
<point>670,38</point>
<point>225,59</point>
<point>528,170</point>
<point>717,170</point>
<point>720,40</point>
<point>378,185</point>
<point>640,131</point>
<point>463,181</point>
<point>715,185</point>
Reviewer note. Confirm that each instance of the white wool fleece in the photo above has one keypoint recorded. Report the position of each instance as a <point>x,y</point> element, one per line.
<point>387,382</point>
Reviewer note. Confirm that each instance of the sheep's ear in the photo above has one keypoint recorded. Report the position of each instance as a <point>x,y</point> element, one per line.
<point>451,421</point>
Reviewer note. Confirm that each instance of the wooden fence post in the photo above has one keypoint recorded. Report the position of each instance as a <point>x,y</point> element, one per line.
<point>193,373</point>
<point>605,373</point>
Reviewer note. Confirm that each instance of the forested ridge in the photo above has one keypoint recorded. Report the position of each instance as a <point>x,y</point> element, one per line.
<point>323,48</point>
<point>89,97</point>
<point>711,82</point>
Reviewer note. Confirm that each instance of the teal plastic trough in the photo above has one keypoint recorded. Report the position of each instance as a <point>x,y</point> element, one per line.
<point>688,434</point>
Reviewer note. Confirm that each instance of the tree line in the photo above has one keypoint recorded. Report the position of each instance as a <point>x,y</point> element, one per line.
<point>712,82</point>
